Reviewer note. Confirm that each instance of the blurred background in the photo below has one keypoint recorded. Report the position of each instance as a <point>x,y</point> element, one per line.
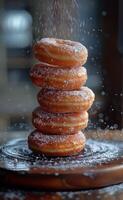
<point>97,24</point>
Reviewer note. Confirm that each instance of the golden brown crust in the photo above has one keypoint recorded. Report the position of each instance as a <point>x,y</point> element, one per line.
<point>47,76</point>
<point>59,123</point>
<point>56,145</point>
<point>66,101</point>
<point>62,53</point>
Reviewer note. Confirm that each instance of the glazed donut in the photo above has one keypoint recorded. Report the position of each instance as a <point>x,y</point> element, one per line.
<point>59,123</point>
<point>56,145</point>
<point>45,75</point>
<point>61,53</point>
<point>66,101</point>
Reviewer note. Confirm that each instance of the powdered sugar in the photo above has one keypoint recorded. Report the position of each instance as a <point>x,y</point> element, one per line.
<point>53,77</point>
<point>84,92</point>
<point>43,69</point>
<point>110,192</point>
<point>95,153</point>
<point>53,139</point>
<point>66,45</point>
<point>38,112</point>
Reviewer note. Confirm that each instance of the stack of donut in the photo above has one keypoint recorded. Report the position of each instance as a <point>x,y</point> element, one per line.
<point>63,99</point>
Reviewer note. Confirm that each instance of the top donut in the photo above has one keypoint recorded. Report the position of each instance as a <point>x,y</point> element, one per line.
<point>60,53</point>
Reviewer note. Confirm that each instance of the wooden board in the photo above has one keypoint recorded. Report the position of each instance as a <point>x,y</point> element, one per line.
<point>114,192</point>
<point>100,164</point>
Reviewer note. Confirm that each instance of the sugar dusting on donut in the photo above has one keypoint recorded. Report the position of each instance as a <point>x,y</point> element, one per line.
<point>64,44</point>
<point>47,41</point>
<point>41,69</point>
<point>48,76</point>
<point>84,92</point>
<point>63,53</point>
<point>50,116</point>
<point>46,139</point>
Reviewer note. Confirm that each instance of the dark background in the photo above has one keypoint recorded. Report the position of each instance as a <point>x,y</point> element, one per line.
<point>97,24</point>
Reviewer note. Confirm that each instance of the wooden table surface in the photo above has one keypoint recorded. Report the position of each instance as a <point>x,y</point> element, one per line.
<point>107,193</point>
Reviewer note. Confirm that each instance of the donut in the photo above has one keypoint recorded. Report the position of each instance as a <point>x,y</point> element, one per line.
<point>56,145</point>
<point>61,53</point>
<point>66,101</point>
<point>59,123</point>
<point>46,76</point>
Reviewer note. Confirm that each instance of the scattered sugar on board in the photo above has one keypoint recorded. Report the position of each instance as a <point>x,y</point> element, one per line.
<point>95,152</point>
<point>107,192</point>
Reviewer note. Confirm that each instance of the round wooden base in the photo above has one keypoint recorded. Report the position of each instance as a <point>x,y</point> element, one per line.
<point>100,164</point>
